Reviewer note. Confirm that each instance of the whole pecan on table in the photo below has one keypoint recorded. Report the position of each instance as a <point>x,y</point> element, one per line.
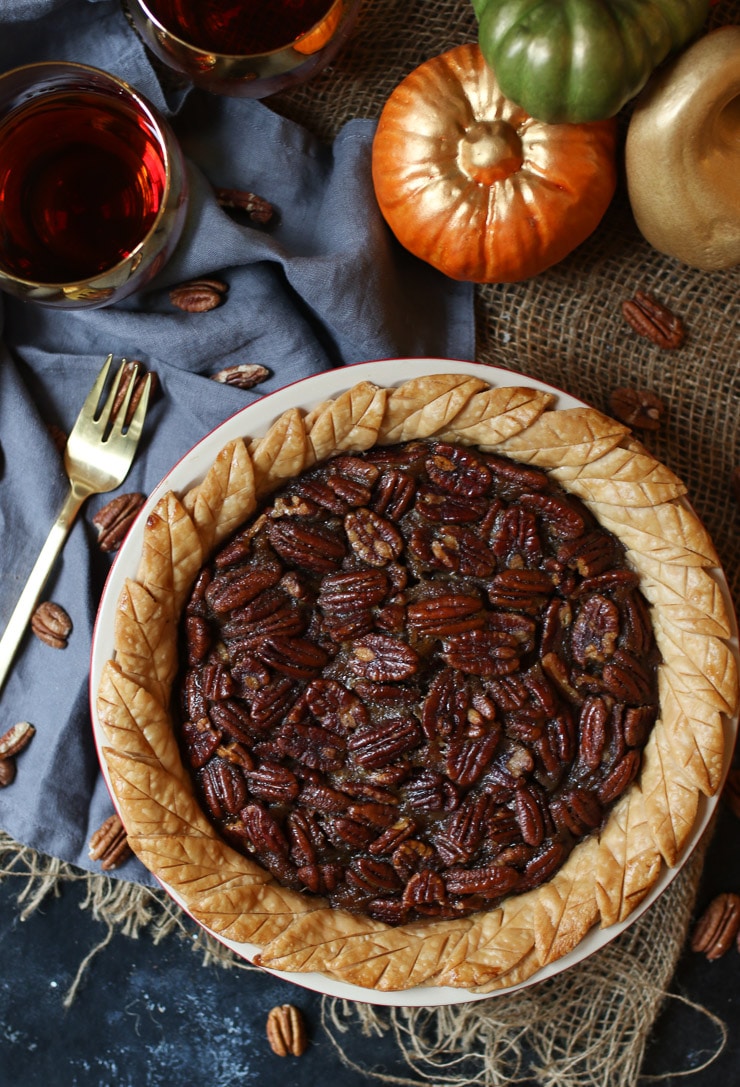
<point>286,1031</point>
<point>257,208</point>
<point>653,320</point>
<point>51,624</point>
<point>11,744</point>
<point>718,926</point>
<point>244,375</point>
<point>115,519</point>
<point>638,408</point>
<point>199,295</point>
<point>109,844</point>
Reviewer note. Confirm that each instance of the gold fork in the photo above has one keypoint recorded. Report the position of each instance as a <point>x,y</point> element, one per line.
<point>98,455</point>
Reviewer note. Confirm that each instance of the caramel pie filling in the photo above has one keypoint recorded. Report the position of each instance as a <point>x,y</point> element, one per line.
<point>415,680</point>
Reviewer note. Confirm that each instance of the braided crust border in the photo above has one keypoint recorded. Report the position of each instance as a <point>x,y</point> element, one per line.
<point>607,875</point>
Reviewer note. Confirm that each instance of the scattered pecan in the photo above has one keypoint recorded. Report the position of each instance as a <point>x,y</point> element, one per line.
<point>58,437</point>
<point>51,624</point>
<point>134,369</point>
<point>244,375</point>
<point>7,772</point>
<point>115,519</point>
<point>718,926</point>
<point>109,844</point>
<point>639,408</point>
<point>199,295</point>
<point>257,208</point>
<point>651,319</point>
<point>15,739</point>
<point>286,1031</point>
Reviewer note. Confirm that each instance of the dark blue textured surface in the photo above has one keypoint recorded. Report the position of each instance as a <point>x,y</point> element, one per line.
<point>147,1015</point>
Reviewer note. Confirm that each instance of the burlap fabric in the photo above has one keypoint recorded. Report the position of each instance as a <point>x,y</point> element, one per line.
<point>589,1026</point>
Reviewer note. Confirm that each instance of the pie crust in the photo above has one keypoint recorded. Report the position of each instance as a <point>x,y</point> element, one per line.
<point>608,874</point>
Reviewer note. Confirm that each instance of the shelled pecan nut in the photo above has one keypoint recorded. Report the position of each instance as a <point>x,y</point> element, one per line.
<point>115,519</point>
<point>286,1031</point>
<point>245,375</point>
<point>7,772</point>
<point>718,926</point>
<point>638,408</point>
<point>109,844</point>
<point>133,369</point>
<point>257,208</point>
<point>51,624</point>
<point>15,739</point>
<point>651,319</point>
<point>199,295</point>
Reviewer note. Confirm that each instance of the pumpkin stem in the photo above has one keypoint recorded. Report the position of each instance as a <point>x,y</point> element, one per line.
<point>490,151</point>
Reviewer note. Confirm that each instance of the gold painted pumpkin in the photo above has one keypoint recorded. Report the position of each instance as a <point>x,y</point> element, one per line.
<point>470,183</point>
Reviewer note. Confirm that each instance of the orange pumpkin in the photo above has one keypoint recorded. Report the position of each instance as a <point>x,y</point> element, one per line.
<point>470,183</point>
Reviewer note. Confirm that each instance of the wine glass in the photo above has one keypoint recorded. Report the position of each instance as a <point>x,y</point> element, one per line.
<point>244,48</point>
<point>93,186</point>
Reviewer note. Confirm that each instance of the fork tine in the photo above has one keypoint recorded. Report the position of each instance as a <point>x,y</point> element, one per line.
<point>134,428</point>
<point>90,406</point>
<point>103,419</point>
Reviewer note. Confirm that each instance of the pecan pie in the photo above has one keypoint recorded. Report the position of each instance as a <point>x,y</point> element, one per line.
<point>415,680</point>
<point>427,727</point>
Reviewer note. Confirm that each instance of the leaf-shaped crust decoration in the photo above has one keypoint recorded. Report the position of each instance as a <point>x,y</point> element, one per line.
<point>669,533</point>
<point>225,498</point>
<point>621,478</point>
<point>564,907</point>
<point>352,421</point>
<point>145,640</point>
<point>694,730</point>
<point>285,451</point>
<point>627,861</point>
<point>426,405</point>
<point>566,438</point>
<point>172,554</point>
<point>688,596</point>
<point>671,798</point>
<point>492,416</point>
<point>497,943</point>
<point>707,665</point>
<point>134,721</point>
<point>363,952</point>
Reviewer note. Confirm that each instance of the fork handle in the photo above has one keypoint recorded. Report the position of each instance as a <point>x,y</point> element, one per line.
<point>24,609</point>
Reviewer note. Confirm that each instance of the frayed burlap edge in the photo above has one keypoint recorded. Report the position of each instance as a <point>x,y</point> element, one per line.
<point>126,909</point>
<point>554,1033</point>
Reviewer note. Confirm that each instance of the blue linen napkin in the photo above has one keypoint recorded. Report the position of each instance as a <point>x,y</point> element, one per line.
<point>323,286</point>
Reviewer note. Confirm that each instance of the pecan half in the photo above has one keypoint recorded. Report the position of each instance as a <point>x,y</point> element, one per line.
<point>718,926</point>
<point>257,208</point>
<point>244,375</point>
<point>51,624</point>
<point>286,1031</point>
<point>199,295</point>
<point>109,844</point>
<point>115,519</point>
<point>638,408</point>
<point>7,772</point>
<point>651,319</point>
<point>15,739</point>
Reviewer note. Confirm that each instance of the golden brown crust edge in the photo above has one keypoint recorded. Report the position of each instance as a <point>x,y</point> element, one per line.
<point>607,875</point>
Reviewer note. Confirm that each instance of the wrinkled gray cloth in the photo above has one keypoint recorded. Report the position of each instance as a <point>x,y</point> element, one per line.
<point>322,286</point>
